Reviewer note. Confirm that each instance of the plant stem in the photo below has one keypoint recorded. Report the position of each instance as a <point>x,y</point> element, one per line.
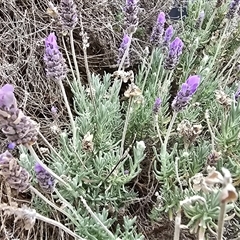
<point>58,224</point>
<point>158,81</point>
<point>221,220</point>
<point>210,130</point>
<point>74,130</point>
<point>177,225</point>
<point>52,204</point>
<point>89,78</point>
<point>157,127</point>
<point>218,47</point>
<point>96,218</point>
<point>166,84</point>
<point>164,148</point>
<point>125,126</point>
<point>33,153</point>
<point>69,61</point>
<point>74,57</point>
<point>51,147</point>
<point>149,66</point>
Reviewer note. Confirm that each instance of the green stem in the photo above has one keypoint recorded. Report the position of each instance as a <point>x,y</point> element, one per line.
<point>68,58</point>
<point>218,47</point>
<point>89,78</point>
<point>94,216</point>
<point>74,57</point>
<point>177,225</point>
<point>35,156</point>
<point>159,81</point>
<point>221,221</point>
<point>52,204</point>
<point>164,148</point>
<point>157,127</point>
<point>51,147</point>
<point>74,131</point>
<point>125,126</point>
<point>148,70</point>
<point>166,84</point>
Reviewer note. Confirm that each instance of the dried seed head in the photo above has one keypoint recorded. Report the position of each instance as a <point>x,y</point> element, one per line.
<point>188,131</point>
<point>213,158</point>
<point>17,177</point>
<point>87,143</point>
<point>223,99</point>
<point>132,91</point>
<point>199,183</point>
<point>68,14</point>
<point>124,76</point>
<point>229,194</point>
<point>131,16</point>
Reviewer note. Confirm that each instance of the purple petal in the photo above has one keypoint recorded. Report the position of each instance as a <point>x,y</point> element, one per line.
<point>161,18</point>
<point>168,34</point>
<point>193,83</point>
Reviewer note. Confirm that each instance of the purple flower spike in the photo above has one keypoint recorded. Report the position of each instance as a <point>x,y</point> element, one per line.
<point>123,47</point>
<point>185,94</point>
<point>45,180</point>
<point>157,33</point>
<point>131,16</point>
<point>11,145</point>
<point>175,50</point>
<point>55,64</point>
<point>168,36</point>
<point>157,105</point>
<point>7,98</point>
<point>18,128</point>
<point>234,5</point>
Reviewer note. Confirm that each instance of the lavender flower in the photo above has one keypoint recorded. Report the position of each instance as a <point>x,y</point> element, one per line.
<point>157,33</point>
<point>234,5</point>
<point>156,106</point>
<point>56,68</point>
<point>45,180</point>
<point>11,145</point>
<point>123,47</point>
<point>200,20</point>
<point>175,50</point>
<point>68,14</point>
<point>237,95</point>
<point>168,36</point>
<point>18,128</point>
<point>54,110</point>
<point>185,94</point>
<point>17,177</point>
<point>131,19</point>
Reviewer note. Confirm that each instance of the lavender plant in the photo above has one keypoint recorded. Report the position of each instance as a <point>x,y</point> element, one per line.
<point>176,137</point>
